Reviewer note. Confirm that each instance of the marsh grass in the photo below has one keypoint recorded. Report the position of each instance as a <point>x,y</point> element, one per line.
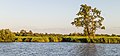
<point>82,39</point>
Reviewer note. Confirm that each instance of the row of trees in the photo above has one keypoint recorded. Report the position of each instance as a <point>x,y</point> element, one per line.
<point>8,33</point>
<point>39,39</point>
<point>30,33</point>
<point>24,33</point>
<point>7,36</point>
<point>81,34</point>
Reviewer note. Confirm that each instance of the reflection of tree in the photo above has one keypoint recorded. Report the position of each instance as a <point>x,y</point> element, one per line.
<point>89,49</point>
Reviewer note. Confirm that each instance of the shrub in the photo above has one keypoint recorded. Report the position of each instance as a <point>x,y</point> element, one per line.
<point>113,35</point>
<point>18,40</point>
<point>46,39</point>
<point>37,40</point>
<point>6,35</point>
<point>118,35</point>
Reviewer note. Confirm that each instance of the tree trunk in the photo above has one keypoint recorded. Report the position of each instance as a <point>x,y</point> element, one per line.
<point>88,32</point>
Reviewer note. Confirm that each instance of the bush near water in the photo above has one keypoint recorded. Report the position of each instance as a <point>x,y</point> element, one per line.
<point>6,35</point>
<point>23,36</point>
<point>66,39</point>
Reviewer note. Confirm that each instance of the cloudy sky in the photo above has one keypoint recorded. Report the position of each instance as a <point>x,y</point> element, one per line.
<point>55,16</point>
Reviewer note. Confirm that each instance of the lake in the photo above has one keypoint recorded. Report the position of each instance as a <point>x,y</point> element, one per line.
<point>58,49</point>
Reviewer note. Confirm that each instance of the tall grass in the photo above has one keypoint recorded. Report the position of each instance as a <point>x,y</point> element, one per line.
<point>81,39</point>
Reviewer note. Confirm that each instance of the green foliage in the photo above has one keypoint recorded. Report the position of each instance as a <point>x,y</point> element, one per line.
<point>46,39</point>
<point>37,40</point>
<point>113,35</point>
<point>23,33</point>
<point>30,33</point>
<point>36,34</point>
<point>100,40</point>
<point>118,35</point>
<point>90,19</point>
<point>6,35</point>
<point>19,40</point>
<point>82,39</point>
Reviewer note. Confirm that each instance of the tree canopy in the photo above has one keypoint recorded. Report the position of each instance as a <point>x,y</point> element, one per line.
<point>6,35</point>
<point>89,18</point>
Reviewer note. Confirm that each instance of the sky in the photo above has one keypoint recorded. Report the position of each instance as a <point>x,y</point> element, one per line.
<point>55,16</point>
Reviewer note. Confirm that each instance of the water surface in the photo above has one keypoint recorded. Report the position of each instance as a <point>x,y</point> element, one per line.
<point>58,49</point>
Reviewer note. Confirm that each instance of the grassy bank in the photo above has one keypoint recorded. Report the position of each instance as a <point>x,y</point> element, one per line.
<point>7,36</point>
<point>82,39</point>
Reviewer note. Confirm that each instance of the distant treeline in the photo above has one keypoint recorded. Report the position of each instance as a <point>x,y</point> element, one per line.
<point>30,33</point>
<point>28,36</point>
<point>81,34</point>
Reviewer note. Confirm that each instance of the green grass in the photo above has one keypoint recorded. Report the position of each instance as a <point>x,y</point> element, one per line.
<point>87,37</point>
<point>82,39</point>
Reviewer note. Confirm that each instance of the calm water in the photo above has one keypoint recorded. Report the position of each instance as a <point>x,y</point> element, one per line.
<point>58,49</point>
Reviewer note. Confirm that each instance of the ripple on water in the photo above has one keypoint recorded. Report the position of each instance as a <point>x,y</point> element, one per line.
<point>58,49</point>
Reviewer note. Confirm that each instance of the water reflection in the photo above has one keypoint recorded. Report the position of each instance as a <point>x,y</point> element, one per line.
<point>89,49</point>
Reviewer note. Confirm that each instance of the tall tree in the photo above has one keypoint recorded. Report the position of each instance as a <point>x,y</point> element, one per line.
<point>90,19</point>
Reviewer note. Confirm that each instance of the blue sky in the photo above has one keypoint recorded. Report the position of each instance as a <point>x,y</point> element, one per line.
<point>55,16</point>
